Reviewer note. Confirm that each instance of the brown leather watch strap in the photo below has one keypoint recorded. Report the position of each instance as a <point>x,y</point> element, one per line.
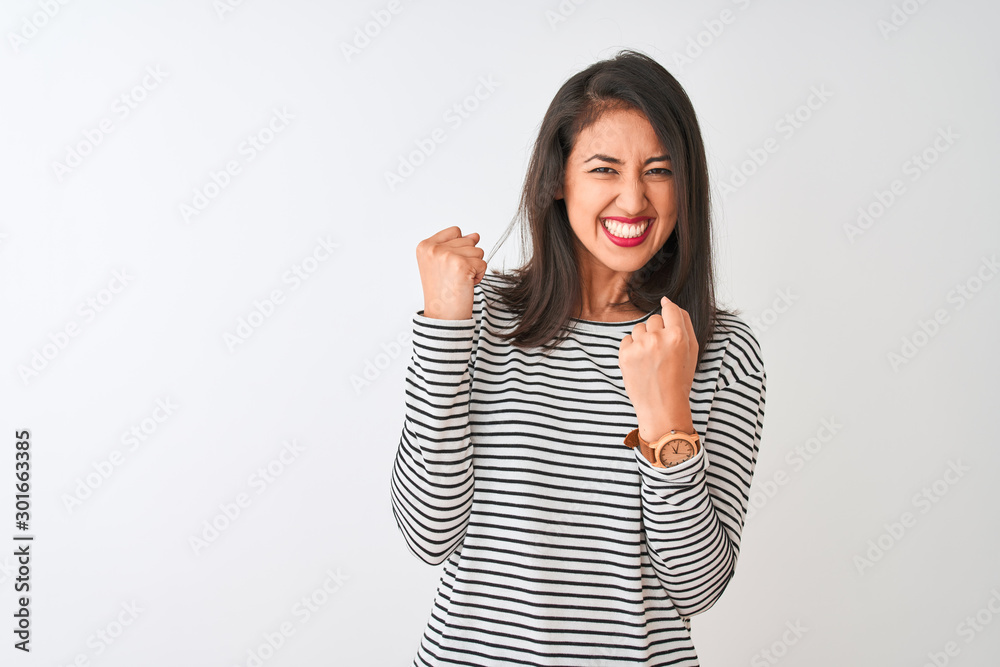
<point>633,439</point>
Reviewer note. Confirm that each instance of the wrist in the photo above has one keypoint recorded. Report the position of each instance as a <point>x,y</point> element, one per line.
<point>445,315</point>
<point>673,413</point>
<point>652,429</point>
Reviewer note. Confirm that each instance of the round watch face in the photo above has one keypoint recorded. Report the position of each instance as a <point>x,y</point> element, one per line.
<point>674,452</point>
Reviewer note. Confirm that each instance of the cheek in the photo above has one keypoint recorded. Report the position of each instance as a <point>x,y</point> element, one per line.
<point>665,201</point>
<point>594,195</point>
<point>582,202</point>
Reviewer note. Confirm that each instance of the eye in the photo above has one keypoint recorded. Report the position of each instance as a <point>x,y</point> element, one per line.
<point>598,170</point>
<point>661,171</point>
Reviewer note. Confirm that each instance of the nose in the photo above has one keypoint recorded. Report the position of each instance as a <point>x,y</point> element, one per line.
<point>632,197</point>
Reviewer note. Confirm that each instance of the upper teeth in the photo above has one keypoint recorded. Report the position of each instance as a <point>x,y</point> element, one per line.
<point>626,231</point>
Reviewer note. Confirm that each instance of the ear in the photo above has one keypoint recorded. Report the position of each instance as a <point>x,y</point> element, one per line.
<point>559,193</point>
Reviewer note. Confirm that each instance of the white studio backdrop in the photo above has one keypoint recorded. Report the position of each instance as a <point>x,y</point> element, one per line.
<point>208,218</point>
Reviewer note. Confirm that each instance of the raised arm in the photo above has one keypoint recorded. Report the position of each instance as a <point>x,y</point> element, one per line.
<point>694,513</point>
<point>432,477</point>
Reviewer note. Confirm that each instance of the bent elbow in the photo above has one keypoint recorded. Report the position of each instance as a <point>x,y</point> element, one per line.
<point>702,603</point>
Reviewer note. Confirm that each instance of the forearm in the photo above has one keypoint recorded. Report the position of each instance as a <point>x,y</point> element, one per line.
<point>688,546</point>
<point>432,476</point>
<point>693,513</point>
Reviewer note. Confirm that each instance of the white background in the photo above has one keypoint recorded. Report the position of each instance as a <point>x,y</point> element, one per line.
<point>829,308</point>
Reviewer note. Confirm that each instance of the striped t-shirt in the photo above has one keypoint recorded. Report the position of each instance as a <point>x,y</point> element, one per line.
<point>560,544</point>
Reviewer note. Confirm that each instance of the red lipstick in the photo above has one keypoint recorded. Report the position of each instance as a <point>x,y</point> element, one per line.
<point>627,242</point>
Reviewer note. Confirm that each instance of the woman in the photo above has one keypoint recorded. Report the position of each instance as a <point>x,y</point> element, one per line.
<point>532,399</point>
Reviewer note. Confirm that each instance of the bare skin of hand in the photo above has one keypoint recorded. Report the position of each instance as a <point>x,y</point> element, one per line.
<point>450,267</point>
<point>658,361</point>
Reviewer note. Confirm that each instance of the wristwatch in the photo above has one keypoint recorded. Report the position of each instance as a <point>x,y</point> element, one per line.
<point>666,452</point>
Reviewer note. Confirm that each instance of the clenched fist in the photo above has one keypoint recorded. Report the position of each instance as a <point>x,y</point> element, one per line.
<point>658,361</point>
<point>450,267</point>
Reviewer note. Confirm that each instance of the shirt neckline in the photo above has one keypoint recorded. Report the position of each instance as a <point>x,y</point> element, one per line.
<point>591,325</point>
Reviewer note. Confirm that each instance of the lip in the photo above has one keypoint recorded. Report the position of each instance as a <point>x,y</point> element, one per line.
<point>628,243</point>
<point>629,221</point>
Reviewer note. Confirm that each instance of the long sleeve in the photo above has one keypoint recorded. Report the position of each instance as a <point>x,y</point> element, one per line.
<point>432,477</point>
<point>693,513</point>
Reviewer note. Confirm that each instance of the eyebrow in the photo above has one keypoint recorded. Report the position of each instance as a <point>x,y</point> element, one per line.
<point>608,158</point>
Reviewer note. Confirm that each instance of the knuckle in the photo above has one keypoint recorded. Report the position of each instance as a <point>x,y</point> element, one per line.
<point>673,336</point>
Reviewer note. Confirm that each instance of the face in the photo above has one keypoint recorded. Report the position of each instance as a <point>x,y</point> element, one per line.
<point>619,193</point>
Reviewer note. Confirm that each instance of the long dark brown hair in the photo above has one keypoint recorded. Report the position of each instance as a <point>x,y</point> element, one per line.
<point>544,292</point>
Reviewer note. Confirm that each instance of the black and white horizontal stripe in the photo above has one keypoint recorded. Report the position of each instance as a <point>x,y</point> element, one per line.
<point>562,546</point>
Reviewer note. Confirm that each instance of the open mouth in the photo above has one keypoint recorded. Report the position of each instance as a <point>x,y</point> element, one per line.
<point>627,233</point>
